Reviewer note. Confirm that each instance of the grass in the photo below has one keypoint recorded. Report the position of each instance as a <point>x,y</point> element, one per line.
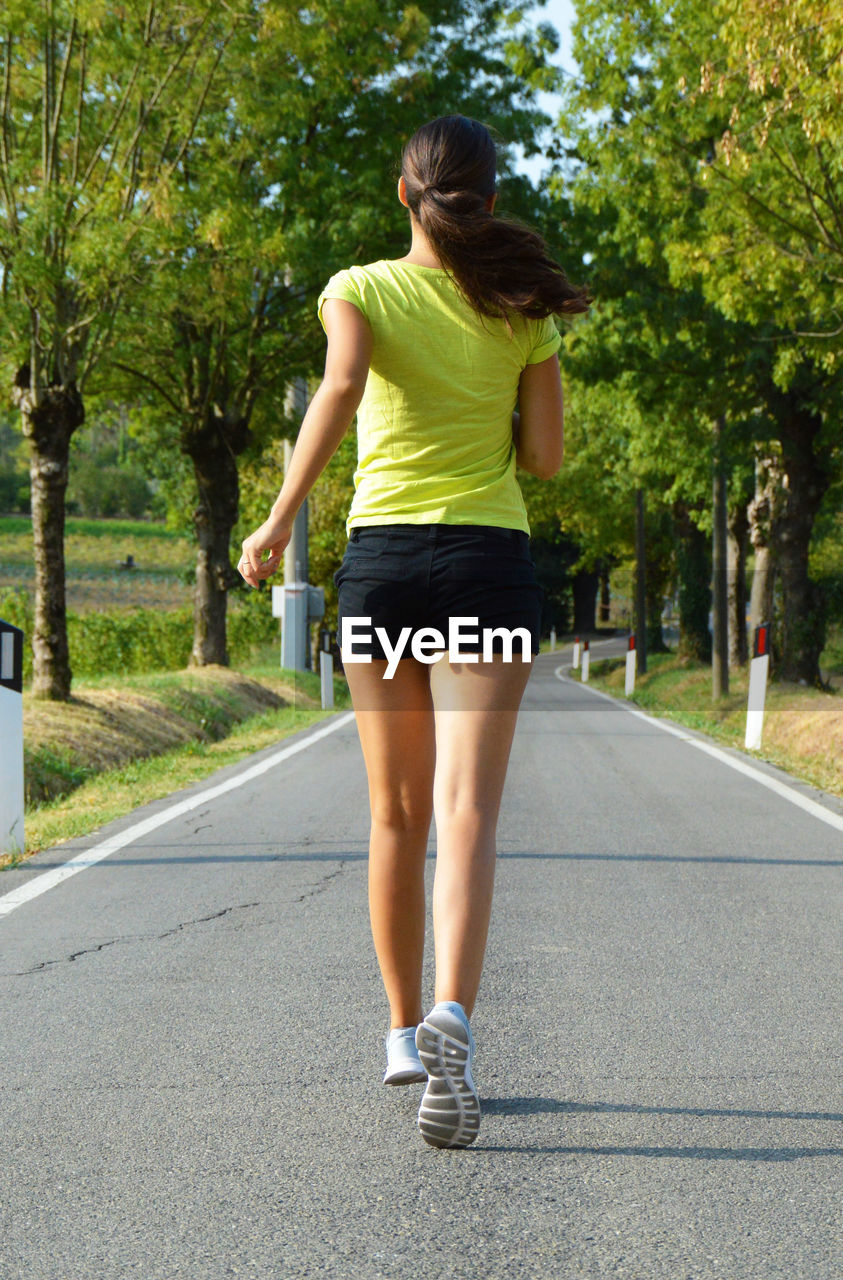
<point>95,528</point>
<point>94,551</point>
<point>114,747</point>
<point>803,728</point>
<point>116,793</point>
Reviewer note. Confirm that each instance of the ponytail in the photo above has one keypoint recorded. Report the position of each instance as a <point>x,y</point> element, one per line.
<point>499,265</point>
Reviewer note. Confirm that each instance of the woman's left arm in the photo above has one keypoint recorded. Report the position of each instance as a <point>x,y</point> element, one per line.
<point>328,417</point>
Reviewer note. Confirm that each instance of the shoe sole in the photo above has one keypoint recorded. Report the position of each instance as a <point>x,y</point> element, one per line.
<point>406,1075</point>
<point>449,1115</point>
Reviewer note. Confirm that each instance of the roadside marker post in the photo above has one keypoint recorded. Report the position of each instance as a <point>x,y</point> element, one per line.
<point>11,739</point>
<point>576,652</point>
<point>586,659</point>
<point>631,662</point>
<point>758,671</point>
<point>552,639</point>
<point>326,671</point>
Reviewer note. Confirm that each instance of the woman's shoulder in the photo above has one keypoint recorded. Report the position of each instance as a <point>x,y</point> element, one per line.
<point>358,280</point>
<point>360,272</point>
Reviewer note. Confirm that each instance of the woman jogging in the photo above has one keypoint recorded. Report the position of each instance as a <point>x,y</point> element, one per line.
<point>433,352</point>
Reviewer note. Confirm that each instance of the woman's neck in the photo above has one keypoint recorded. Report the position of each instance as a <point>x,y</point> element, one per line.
<point>421,252</point>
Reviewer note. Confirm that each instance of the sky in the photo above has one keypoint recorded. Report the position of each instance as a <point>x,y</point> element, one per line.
<point>560,13</point>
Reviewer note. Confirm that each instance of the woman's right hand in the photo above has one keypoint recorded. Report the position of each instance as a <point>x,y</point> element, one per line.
<point>272,537</point>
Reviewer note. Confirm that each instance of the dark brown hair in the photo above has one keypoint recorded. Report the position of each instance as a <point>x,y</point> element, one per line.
<point>500,266</point>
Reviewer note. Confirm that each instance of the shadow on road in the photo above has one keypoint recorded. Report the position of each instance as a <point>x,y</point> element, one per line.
<point>531,1106</point>
<point>289,854</point>
<point>760,1154</point>
<point>555,1106</point>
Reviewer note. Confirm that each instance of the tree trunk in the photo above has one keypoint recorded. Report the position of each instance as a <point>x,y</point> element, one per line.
<point>802,630</point>
<point>605,596</point>
<point>720,589</point>
<point>694,569</point>
<point>660,552</point>
<point>736,573</point>
<point>641,580</point>
<point>213,451</point>
<point>655,634</point>
<point>584,586</point>
<point>49,416</point>
<point>768,491</point>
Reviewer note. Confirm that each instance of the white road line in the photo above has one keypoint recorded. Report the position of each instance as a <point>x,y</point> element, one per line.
<point>40,884</point>
<point>742,766</point>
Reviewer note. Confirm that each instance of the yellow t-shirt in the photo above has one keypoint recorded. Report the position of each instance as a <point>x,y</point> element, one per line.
<point>434,427</point>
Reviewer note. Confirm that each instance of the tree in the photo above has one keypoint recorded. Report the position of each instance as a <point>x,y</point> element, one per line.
<point>290,178</point>
<point>772,221</point>
<point>654,164</point>
<point>99,104</point>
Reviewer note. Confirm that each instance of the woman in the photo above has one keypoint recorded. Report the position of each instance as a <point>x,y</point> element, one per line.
<point>433,351</point>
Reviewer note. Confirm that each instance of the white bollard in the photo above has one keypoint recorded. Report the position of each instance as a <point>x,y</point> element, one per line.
<point>586,657</point>
<point>758,669</point>
<point>11,739</point>
<point>552,639</point>
<point>326,670</point>
<point>576,652</point>
<point>631,664</point>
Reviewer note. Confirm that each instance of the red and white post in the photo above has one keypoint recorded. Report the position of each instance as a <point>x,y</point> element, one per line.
<point>586,658</point>
<point>631,663</point>
<point>758,670</point>
<point>11,739</point>
<point>576,652</point>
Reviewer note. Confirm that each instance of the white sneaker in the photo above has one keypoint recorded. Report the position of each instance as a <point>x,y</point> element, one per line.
<point>449,1115</point>
<point>403,1065</point>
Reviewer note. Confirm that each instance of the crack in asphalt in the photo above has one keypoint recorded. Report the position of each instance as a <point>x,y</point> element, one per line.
<point>322,883</point>
<point>319,887</point>
<point>134,937</point>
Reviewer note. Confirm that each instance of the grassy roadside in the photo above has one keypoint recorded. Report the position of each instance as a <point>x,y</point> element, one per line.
<point>117,746</point>
<point>803,728</point>
<point>114,748</point>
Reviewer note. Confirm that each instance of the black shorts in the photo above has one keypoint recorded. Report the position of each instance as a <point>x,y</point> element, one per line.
<point>422,575</point>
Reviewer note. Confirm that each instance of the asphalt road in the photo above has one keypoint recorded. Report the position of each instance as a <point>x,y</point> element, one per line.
<point>191,1033</point>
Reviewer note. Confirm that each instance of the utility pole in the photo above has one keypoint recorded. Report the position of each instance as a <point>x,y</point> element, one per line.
<point>297,603</point>
<point>720,583</point>
<point>640,583</point>
<point>296,552</point>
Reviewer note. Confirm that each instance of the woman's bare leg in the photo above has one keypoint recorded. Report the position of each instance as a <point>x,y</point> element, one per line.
<point>395,724</point>
<point>475,708</point>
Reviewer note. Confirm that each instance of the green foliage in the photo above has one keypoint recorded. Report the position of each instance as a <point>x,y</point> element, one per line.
<point>109,529</point>
<point>99,104</point>
<point>16,609</point>
<point>98,489</point>
<point>50,772</point>
<point>107,477</point>
<point>229,319</point>
<point>139,640</point>
<point>251,626</point>
<point>14,490</point>
<point>14,476</point>
<point>133,641</point>
<point>714,291</point>
<point>679,108</point>
<point>328,508</point>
